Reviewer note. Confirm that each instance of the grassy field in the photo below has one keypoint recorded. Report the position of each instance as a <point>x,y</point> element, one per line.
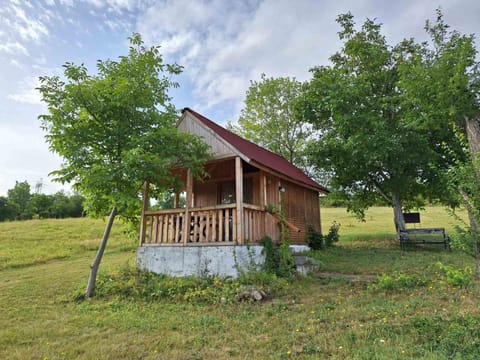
<point>410,313</point>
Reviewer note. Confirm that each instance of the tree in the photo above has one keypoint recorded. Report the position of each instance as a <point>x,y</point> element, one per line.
<point>442,78</point>
<point>115,130</point>
<point>6,211</point>
<point>370,141</point>
<point>42,205</point>
<point>76,205</point>
<point>19,200</point>
<point>268,119</point>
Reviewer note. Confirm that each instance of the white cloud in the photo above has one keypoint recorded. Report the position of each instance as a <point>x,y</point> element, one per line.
<point>194,35</point>
<point>117,6</point>
<point>16,64</point>
<point>27,27</point>
<point>68,3</point>
<point>223,45</point>
<point>13,47</point>
<point>28,94</point>
<point>117,24</point>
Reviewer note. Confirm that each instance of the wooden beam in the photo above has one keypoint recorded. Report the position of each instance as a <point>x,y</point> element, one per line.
<point>263,189</point>
<point>239,199</point>
<point>279,203</point>
<point>176,199</point>
<point>188,205</point>
<point>286,222</point>
<point>145,204</point>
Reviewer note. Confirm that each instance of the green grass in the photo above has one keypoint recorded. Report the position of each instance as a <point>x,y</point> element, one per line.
<point>378,224</point>
<point>38,241</point>
<point>48,261</point>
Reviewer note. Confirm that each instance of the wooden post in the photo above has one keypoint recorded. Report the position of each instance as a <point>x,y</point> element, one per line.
<point>263,189</point>
<point>143,220</point>
<point>263,203</point>
<point>279,185</point>
<point>239,199</point>
<point>176,201</point>
<point>186,224</point>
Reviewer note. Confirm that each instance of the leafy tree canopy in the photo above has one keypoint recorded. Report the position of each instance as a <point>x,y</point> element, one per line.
<point>441,79</point>
<point>268,119</point>
<point>372,141</point>
<point>116,129</point>
<point>19,199</point>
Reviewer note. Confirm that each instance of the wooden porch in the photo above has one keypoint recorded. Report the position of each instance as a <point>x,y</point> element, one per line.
<point>213,225</point>
<point>212,215</point>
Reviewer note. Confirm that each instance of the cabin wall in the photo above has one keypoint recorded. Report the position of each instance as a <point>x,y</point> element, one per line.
<point>205,194</point>
<point>218,146</point>
<point>256,190</point>
<point>272,198</point>
<point>300,206</point>
<point>312,209</point>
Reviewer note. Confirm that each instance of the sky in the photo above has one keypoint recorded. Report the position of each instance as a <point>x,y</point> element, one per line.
<point>222,44</point>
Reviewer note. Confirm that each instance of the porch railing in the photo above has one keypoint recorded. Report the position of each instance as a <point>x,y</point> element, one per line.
<point>253,222</point>
<point>213,225</point>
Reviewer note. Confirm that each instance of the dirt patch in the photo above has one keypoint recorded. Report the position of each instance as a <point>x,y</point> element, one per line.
<point>349,277</point>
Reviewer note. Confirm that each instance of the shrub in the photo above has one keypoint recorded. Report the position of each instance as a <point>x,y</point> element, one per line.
<point>333,236</point>
<point>272,260</point>
<point>317,241</point>
<point>314,238</point>
<point>457,277</point>
<point>278,258</point>
<point>397,282</point>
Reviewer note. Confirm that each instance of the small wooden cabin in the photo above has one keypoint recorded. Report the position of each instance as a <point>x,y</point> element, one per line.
<point>228,207</point>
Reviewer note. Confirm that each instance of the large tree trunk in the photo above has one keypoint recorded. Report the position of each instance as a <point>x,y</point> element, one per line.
<point>473,137</point>
<point>96,263</point>
<point>398,214</point>
<point>474,228</point>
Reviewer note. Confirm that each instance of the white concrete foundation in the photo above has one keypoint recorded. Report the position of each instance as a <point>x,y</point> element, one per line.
<point>295,249</point>
<point>202,261</point>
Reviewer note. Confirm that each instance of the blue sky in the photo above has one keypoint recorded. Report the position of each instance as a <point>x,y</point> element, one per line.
<point>222,45</point>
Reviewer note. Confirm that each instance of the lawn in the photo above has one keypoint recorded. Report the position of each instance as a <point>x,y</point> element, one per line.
<point>412,312</point>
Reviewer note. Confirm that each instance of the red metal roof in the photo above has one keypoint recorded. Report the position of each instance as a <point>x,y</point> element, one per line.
<point>258,154</point>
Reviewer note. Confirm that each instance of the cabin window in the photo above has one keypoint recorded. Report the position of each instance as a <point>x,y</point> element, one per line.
<point>248,191</point>
<point>227,192</point>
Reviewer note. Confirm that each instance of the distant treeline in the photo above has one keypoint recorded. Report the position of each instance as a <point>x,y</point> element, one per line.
<point>21,204</point>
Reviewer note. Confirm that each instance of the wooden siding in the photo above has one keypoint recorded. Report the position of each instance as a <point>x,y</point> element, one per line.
<point>300,205</point>
<point>293,206</point>
<point>218,146</point>
<point>312,209</point>
<point>256,190</point>
<point>271,228</point>
<point>205,194</point>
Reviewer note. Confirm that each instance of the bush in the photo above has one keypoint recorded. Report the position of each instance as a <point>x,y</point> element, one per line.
<point>397,282</point>
<point>457,277</point>
<point>317,241</point>
<point>278,259</point>
<point>314,238</point>
<point>333,236</point>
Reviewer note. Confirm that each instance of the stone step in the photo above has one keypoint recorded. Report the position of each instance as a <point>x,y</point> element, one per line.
<point>306,265</point>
